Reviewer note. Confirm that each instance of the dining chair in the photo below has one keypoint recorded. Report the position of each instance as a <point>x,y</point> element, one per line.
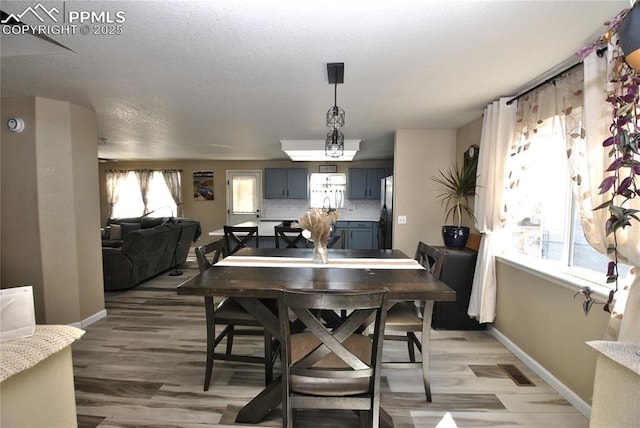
<point>230,314</point>
<point>290,236</point>
<point>338,240</point>
<point>332,367</point>
<point>237,237</point>
<point>406,318</point>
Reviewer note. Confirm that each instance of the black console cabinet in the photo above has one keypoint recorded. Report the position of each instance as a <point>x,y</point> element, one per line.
<point>457,272</point>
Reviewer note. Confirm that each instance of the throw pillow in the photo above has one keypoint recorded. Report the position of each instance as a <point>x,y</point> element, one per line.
<point>115,232</point>
<point>128,227</point>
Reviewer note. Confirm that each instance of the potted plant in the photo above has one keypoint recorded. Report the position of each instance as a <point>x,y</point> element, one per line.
<point>623,146</point>
<point>456,187</point>
<point>629,35</point>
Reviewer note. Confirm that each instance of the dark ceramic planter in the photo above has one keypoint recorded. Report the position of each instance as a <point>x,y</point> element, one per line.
<point>629,34</point>
<point>455,237</point>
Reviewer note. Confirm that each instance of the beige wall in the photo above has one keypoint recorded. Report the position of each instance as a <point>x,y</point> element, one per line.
<point>50,220</point>
<point>20,240</point>
<point>212,214</point>
<point>87,210</point>
<point>466,136</point>
<point>418,154</point>
<point>547,323</point>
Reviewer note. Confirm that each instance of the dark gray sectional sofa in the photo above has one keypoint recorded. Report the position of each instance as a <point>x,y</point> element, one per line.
<point>136,249</point>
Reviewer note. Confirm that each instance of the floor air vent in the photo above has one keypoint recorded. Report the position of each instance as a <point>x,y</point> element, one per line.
<point>516,375</point>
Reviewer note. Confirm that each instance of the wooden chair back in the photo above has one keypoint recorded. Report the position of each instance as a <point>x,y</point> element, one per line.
<point>429,257</point>
<point>209,254</point>
<point>228,314</point>
<point>237,237</point>
<point>325,367</point>
<point>291,237</point>
<point>338,240</point>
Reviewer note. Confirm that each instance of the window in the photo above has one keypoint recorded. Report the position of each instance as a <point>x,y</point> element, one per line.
<point>537,210</point>
<point>244,194</point>
<point>541,220</point>
<point>129,201</point>
<point>327,190</point>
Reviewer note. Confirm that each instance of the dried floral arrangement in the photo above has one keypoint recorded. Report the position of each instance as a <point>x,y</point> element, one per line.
<point>316,224</point>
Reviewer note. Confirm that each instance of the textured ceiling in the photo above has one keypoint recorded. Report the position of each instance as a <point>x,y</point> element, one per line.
<point>230,79</point>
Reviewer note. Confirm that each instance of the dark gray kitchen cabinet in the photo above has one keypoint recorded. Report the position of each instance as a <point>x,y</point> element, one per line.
<point>359,235</point>
<point>286,183</point>
<point>364,183</point>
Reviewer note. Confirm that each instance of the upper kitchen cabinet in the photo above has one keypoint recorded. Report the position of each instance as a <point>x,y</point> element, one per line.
<point>286,183</point>
<point>364,183</point>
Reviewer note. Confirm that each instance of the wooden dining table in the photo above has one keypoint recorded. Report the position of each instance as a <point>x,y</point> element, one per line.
<point>254,275</point>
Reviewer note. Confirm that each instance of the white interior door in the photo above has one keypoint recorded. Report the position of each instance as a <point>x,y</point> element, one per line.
<point>244,196</point>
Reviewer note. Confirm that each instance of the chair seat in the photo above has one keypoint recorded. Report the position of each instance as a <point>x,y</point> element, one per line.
<point>302,343</point>
<point>403,317</point>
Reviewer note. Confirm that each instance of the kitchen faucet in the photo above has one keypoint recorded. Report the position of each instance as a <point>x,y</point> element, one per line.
<point>328,200</point>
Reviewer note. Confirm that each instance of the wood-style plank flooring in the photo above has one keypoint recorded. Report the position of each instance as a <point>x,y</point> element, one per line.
<point>143,366</point>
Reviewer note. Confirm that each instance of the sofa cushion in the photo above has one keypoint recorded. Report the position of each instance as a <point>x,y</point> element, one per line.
<point>150,251</point>
<point>115,232</point>
<point>119,220</point>
<point>112,243</point>
<point>127,228</point>
<point>148,222</point>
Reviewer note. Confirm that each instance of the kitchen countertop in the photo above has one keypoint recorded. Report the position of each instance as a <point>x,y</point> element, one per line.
<point>341,218</point>
<point>265,227</point>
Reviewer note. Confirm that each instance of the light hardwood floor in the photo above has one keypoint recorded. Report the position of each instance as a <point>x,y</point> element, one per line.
<point>143,366</point>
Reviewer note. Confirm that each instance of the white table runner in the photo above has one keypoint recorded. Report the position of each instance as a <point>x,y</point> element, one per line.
<point>347,263</point>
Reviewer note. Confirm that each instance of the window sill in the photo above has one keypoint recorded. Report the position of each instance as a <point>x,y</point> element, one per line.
<point>552,272</point>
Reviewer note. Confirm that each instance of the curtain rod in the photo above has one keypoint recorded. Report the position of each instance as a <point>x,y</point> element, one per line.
<point>599,52</point>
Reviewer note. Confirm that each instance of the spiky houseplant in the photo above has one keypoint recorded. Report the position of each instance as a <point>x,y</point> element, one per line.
<point>456,186</point>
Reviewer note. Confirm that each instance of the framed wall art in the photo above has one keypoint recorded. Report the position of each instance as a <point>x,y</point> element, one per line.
<point>203,185</point>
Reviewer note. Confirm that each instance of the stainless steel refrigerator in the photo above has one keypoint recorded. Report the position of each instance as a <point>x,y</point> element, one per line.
<point>385,224</point>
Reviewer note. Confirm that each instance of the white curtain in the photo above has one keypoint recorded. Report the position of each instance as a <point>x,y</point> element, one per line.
<point>114,180</point>
<point>497,131</point>
<point>625,318</point>
<point>172,178</point>
<point>144,178</point>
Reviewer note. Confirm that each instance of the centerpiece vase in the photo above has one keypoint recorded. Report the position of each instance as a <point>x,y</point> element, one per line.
<point>320,254</point>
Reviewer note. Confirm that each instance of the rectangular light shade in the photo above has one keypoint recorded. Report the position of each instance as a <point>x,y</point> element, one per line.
<point>313,150</point>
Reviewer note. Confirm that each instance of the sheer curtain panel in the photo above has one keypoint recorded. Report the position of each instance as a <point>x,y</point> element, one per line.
<point>144,178</point>
<point>172,178</point>
<point>497,130</point>
<point>115,178</point>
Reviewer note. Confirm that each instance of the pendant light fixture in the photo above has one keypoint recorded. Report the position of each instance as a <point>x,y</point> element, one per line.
<point>334,144</point>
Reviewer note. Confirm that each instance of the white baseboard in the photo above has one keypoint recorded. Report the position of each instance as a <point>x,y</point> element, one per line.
<point>90,319</point>
<point>573,398</point>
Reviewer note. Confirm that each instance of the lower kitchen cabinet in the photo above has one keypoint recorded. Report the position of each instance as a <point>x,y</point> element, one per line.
<point>360,235</point>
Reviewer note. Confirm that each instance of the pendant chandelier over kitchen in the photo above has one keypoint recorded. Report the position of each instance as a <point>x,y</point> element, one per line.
<point>334,144</point>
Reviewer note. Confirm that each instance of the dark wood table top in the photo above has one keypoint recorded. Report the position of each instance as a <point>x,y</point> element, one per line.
<point>268,281</point>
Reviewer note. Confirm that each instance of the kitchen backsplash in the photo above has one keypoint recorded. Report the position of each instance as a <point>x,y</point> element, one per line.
<point>292,209</point>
